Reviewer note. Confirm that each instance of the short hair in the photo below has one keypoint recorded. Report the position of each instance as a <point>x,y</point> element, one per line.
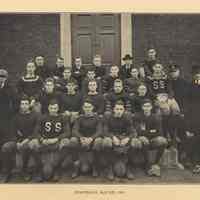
<point>89,101</point>
<point>147,101</point>
<point>142,84</point>
<point>119,102</point>
<point>92,80</point>
<point>118,81</point>
<point>39,55</point>
<point>78,57</point>
<point>53,102</point>
<point>49,80</point>
<point>25,98</point>
<point>72,81</point>
<point>91,69</point>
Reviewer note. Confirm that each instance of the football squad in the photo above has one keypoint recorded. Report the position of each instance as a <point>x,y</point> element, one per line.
<point>98,120</point>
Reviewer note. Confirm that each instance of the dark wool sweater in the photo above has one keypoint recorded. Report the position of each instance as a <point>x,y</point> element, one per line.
<point>87,126</point>
<point>112,98</point>
<point>44,99</point>
<point>108,83</point>
<point>72,103</point>
<point>160,85</point>
<point>8,101</point>
<point>53,127</point>
<point>30,86</point>
<point>43,72</point>
<point>131,84</point>
<point>61,84</point>
<point>152,125</point>
<point>79,75</point>
<point>122,126</point>
<point>98,102</point>
<point>23,126</point>
<point>58,71</point>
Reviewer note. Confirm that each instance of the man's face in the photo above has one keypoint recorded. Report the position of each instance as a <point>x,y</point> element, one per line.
<point>97,61</point>
<point>175,74</point>
<point>71,87</point>
<point>118,87</point>
<point>142,90</point>
<point>39,60</point>
<point>118,110</point>
<point>88,108</point>
<point>49,86</point>
<point>134,73</point>
<point>91,74</point>
<point>92,86</point>
<point>67,73</point>
<point>30,68</point>
<point>128,62</point>
<point>78,62</point>
<point>147,107</point>
<point>60,62</point>
<point>24,105</point>
<point>114,70</point>
<point>152,54</point>
<point>157,68</point>
<point>53,109</point>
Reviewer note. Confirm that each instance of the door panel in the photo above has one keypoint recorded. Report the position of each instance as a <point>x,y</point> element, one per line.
<point>96,34</point>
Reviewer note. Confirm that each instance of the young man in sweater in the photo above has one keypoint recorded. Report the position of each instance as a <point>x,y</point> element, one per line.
<point>30,84</point>
<point>117,94</point>
<point>132,83</point>
<point>23,126</point>
<point>52,136</point>
<point>91,75</point>
<point>119,142</point>
<point>61,84</point>
<point>88,129</point>
<point>95,97</point>
<point>48,94</point>
<point>150,135</point>
<point>42,70</point>
<point>108,80</point>
<point>72,101</point>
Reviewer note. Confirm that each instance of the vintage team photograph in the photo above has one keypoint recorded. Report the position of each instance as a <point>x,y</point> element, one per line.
<point>101,98</point>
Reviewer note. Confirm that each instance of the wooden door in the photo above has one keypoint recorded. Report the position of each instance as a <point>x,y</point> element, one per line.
<point>96,34</point>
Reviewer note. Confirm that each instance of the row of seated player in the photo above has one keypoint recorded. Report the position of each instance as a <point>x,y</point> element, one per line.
<point>94,144</point>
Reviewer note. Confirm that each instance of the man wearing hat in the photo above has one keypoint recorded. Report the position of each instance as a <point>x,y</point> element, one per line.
<point>7,109</point>
<point>125,70</point>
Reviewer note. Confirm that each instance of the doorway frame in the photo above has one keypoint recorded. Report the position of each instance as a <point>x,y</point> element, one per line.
<point>126,36</point>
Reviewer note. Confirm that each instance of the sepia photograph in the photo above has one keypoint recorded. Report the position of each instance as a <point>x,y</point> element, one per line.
<point>99,98</point>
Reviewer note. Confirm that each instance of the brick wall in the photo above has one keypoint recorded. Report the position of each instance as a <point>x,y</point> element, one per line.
<point>176,38</point>
<point>22,36</point>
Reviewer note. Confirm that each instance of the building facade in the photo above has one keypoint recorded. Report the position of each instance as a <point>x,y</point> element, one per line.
<point>112,35</point>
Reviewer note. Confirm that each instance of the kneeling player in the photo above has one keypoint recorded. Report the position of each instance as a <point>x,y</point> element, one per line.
<point>149,130</point>
<point>121,136</point>
<point>53,134</point>
<point>88,129</point>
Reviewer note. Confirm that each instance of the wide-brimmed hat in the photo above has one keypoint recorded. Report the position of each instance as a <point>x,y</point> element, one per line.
<point>127,57</point>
